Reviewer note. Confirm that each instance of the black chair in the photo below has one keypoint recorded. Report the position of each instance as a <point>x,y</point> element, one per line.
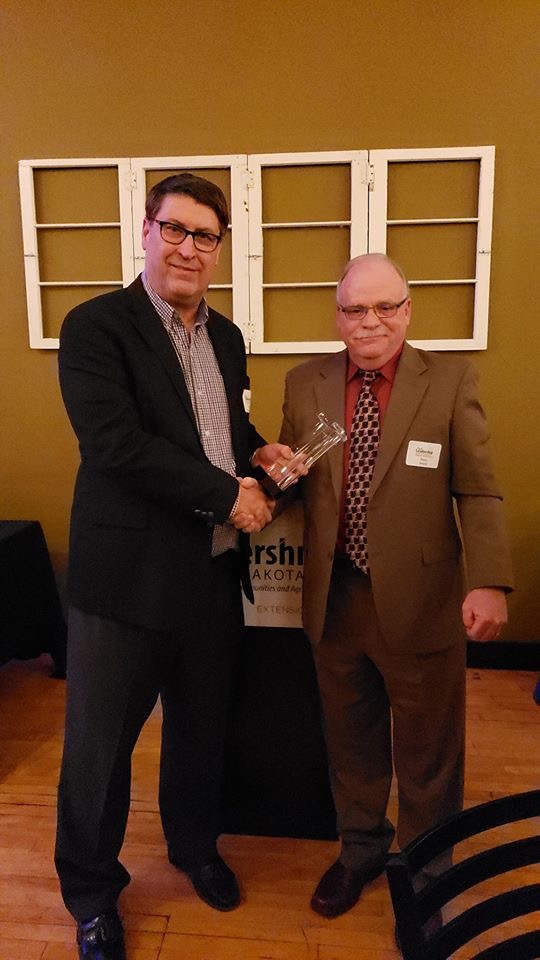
<point>413,908</point>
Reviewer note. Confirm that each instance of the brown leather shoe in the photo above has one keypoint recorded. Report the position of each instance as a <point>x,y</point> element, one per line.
<point>340,888</point>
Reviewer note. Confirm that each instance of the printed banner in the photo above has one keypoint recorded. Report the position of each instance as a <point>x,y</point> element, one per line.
<point>276,570</point>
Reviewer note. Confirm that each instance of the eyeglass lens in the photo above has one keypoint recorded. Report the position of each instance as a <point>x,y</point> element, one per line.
<point>174,233</point>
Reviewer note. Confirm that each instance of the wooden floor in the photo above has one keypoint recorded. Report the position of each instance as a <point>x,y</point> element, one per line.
<point>163,917</point>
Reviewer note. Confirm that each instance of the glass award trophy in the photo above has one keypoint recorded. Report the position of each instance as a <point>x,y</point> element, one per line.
<point>324,436</point>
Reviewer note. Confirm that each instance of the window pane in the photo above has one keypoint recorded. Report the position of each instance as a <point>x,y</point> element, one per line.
<point>434,252</point>
<point>77,195</point>
<point>300,314</point>
<point>305,254</point>
<point>80,254</point>
<point>57,301</point>
<point>221,300</point>
<point>433,190</point>
<point>223,272</point>
<point>442,312</point>
<point>306,193</point>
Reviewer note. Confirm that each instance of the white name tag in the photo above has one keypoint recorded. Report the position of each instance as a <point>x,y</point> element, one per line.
<point>420,454</point>
<point>246,399</point>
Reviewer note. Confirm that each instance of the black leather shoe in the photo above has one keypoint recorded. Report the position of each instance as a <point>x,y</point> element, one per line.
<point>340,888</point>
<point>101,938</point>
<point>216,884</point>
<point>432,926</point>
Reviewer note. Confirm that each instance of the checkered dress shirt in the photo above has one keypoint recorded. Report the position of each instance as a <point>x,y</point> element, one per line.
<point>207,393</point>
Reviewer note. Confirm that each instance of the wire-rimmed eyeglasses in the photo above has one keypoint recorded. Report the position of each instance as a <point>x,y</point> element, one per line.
<point>176,233</point>
<point>384,311</point>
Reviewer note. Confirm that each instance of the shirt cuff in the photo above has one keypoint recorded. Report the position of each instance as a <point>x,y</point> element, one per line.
<point>235,507</point>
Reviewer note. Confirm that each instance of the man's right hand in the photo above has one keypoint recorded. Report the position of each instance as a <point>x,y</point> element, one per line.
<point>254,508</point>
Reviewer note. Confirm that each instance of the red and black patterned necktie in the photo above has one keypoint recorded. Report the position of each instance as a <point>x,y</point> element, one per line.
<point>362,454</point>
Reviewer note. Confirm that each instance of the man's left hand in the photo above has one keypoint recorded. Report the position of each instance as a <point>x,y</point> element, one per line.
<point>270,454</point>
<point>280,456</point>
<point>484,613</point>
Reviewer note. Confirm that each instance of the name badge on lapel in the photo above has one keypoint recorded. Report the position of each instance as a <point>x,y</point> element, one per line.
<point>423,454</point>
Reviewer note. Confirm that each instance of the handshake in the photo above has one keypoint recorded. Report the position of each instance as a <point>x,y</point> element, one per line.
<point>254,508</point>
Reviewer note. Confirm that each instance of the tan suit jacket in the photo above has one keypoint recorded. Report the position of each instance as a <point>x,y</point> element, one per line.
<point>419,519</point>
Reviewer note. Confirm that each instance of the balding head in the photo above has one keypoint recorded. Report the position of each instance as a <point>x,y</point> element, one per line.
<point>365,259</point>
<point>373,281</point>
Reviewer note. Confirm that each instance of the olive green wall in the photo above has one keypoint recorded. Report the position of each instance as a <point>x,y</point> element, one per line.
<point>242,76</point>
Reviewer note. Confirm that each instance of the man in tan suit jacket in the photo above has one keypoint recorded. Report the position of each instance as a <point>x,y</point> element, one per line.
<point>389,645</point>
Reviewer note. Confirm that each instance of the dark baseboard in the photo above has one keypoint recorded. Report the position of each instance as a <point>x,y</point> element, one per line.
<point>503,655</point>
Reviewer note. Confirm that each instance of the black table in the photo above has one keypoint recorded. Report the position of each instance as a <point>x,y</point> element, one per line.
<point>31,616</point>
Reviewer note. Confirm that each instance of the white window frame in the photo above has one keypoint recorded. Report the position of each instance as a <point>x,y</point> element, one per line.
<point>368,231</point>
<point>379,223</point>
<point>359,179</point>
<point>31,228</point>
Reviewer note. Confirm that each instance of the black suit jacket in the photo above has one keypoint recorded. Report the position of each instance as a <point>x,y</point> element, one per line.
<point>146,496</point>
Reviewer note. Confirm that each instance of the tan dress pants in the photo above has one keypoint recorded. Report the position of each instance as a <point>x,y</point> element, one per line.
<point>385,708</point>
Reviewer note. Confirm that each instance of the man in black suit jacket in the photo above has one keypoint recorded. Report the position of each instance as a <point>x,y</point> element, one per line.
<point>153,383</point>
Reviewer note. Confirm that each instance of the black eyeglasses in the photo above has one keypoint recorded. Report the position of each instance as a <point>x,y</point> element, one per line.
<point>381,310</point>
<point>175,233</point>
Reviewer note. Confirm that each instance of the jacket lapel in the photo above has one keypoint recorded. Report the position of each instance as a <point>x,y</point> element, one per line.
<point>151,329</point>
<point>330,397</point>
<point>409,387</point>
